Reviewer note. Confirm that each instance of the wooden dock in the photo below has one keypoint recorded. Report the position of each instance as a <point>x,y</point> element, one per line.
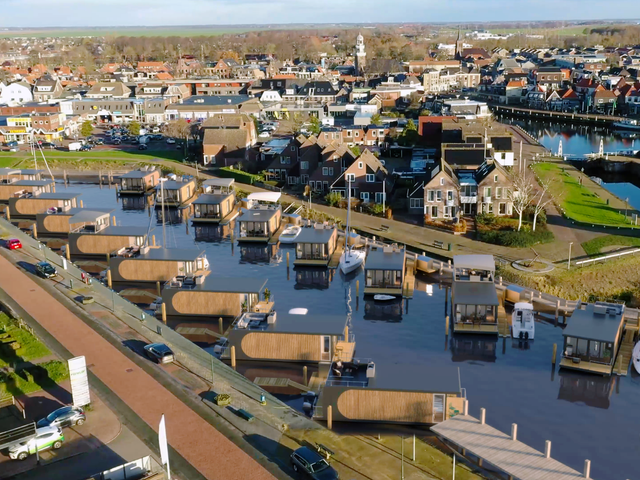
<point>631,329</point>
<point>409,277</point>
<point>345,351</point>
<point>275,238</point>
<point>504,322</point>
<point>500,450</point>
<point>334,261</point>
<point>279,382</point>
<point>197,331</point>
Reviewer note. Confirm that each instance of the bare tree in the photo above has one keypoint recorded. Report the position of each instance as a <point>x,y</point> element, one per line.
<point>180,129</point>
<point>522,193</point>
<point>544,198</point>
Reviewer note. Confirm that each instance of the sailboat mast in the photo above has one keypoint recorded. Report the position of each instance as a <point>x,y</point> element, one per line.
<point>346,234</point>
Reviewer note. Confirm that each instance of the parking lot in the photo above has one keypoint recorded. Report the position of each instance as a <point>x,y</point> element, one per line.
<point>101,427</point>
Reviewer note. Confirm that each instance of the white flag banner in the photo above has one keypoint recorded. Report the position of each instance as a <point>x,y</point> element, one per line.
<point>162,441</point>
<point>79,382</point>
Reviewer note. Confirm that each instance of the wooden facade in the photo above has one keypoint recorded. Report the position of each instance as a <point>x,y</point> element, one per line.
<point>138,182</point>
<point>214,208</point>
<point>29,207</point>
<point>23,188</point>
<point>176,193</point>
<point>62,223</point>
<point>149,265</point>
<point>106,241</point>
<point>261,227</point>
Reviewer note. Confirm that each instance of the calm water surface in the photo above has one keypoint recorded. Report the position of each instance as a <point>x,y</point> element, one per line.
<point>584,416</point>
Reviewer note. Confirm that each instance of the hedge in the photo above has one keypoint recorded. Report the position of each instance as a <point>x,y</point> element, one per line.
<point>509,238</point>
<point>238,175</point>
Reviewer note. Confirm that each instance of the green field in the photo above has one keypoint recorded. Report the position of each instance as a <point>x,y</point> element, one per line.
<point>595,246</point>
<point>579,202</point>
<point>141,31</point>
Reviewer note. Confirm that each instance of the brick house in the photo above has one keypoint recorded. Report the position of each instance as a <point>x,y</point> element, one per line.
<point>223,68</point>
<point>227,139</point>
<point>367,178</point>
<point>493,189</point>
<point>310,158</point>
<point>46,89</point>
<point>335,159</point>
<point>440,194</point>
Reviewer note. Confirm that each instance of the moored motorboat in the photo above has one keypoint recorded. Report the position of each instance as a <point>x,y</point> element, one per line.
<point>523,324</point>
<point>290,234</point>
<point>383,298</point>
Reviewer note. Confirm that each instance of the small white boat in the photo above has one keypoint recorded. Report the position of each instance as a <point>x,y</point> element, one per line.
<point>298,311</point>
<point>290,234</point>
<point>383,298</point>
<point>636,357</point>
<point>350,260</point>
<point>523,324</point>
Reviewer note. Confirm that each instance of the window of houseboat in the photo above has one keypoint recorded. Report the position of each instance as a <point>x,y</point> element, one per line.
<point>139,241</point>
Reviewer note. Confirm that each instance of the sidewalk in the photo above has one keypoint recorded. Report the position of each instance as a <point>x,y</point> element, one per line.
<point>210,452</point>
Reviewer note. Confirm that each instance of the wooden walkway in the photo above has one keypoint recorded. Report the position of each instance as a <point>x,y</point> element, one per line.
<point>504,322</point>
<point>334,261</point>
<point>197,331</point>
<point>345,351</point>
<point>279,382</point>
<point>511,456</point>
<point>624,358</point>
<point>275,238</point>
<point>409,278</point>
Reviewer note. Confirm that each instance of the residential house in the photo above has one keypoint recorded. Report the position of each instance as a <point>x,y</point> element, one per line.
<point>188,65</point>
<point>550,78</point>
<point>310,157</point>
<point>223,68</point>
<point>16,93</point>
<point>603,100</point>
<point>46,89</point>
<point>366,177</point>
<point>335,160</point>
<point>199,108</point>
<point>494,186</point>
<point>227,139</point>
<point>440,194</point>
<point>109,90</point>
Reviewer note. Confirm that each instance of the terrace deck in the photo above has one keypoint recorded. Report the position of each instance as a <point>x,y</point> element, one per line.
<point>587,366</point>
<point>274,239</point>
<point>512,457</point>
<point>345,351</point>
<point>474,328</point>
<point>504,322</point>
<point>279,382</point>
<point>334,261</point>
<point>197,331</point>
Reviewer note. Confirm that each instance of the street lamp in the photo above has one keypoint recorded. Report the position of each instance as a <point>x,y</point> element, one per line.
<point>569,261</point>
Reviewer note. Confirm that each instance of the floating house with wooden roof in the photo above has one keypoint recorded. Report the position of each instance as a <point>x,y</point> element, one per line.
<point>177,193</point>
<point>7,175</point>
<point>212,296</point>
<point>97,237</point>
<point>363,391</point>
<point>138,182</point>
<point>217,204</point>
<point>474,299</point>
<point>56,222</point>
<point>142,264</point>
<point>291,338</point>
<point>384,271</point>
<point>29,205</point>
<point>315,245</point>
<point>592,338</point>
<point>262,218</point>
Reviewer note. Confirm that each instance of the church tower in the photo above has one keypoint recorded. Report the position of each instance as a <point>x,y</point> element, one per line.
<point>459,46</point>
<point>361,55</point>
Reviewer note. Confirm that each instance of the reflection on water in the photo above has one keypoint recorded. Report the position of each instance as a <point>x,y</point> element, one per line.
<point>586,389</point>
<point>136,202</point>
<point>390,311</point>
<point>213,233</point>
<point>578,140</point>
<point>473,348</point>
<point>309,278</point>
<point>260,254</point>
<point>625,191</point>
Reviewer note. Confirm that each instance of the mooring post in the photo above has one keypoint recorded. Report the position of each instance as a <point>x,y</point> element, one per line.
<point>220,326</point>
<point>114,221</point>
<point>357,288</point>
<point>329,419</point>
<point>555,351</point>
<point>465,408</point>
<point>153,240</point>
<point>81,204</point>
<point>158,289</point>
<point>233,357</point>
<point>287,259</point>
<point>547,449</point>
<point>109,283</point>
<point>483,416</point>
<point>514,431</point>
<point>305,380</point>
<point>587,469</point>
<point>35,231</point>
<point>164,313</point>
<point>446,322</point>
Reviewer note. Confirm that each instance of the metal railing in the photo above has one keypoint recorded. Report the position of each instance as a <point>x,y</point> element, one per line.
<point>582,263</point>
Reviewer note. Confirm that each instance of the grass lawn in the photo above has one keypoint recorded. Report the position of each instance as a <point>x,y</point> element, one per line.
<point>33,379</point>
<point>30,347</point>
<point>595,246</point>
<point>579,202</point>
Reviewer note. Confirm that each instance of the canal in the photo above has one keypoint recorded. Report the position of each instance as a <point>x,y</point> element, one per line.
<point>584,416</point>
<point>579,140</point>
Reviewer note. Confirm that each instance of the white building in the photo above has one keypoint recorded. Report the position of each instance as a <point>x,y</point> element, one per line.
<point>469,109</point>
<point>16,94</point>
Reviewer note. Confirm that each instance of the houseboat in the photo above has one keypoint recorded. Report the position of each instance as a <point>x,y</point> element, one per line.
<point>592,338</point>
<point>384,271</point>
<point>139,182</point>
<point>56,222</point>
<point>96,237</point>
<point>474,299</point>
<point>217,204</point>
<point>262,218</point>
<point>200,296</point>
<point>291,338</point>
<point>28,205</point>
<point>315,245</point>
<point>141,264</point>
<point>7,175</point>
<point>177,193</point>
<point>14,186</point>
<point>362,391</point>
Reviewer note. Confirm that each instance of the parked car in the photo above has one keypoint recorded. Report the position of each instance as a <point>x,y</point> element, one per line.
<point>11,144</point>
<point>45,270</point>
<point>170,141</point>
<point>13,244</point>
<point>142,146</point>
<point>85,148</point>
<point>159,352</point>
<point>117,141</point>
<point>312,465</point>
<point>264,135</point>
<point>155,130</point>
<point>63,417</point>
<point>98,141</point>
<point>46,438</point>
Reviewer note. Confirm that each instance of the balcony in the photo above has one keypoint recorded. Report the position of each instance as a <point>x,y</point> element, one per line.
<point>486,199</point>
<point>450,203</point>
<point>469,199</point>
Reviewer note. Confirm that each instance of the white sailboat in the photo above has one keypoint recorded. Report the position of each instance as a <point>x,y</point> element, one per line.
<point>636,357</point>
<point>351,259</point>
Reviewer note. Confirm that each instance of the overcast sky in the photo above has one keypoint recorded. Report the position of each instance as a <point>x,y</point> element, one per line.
<point>80,13</point>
